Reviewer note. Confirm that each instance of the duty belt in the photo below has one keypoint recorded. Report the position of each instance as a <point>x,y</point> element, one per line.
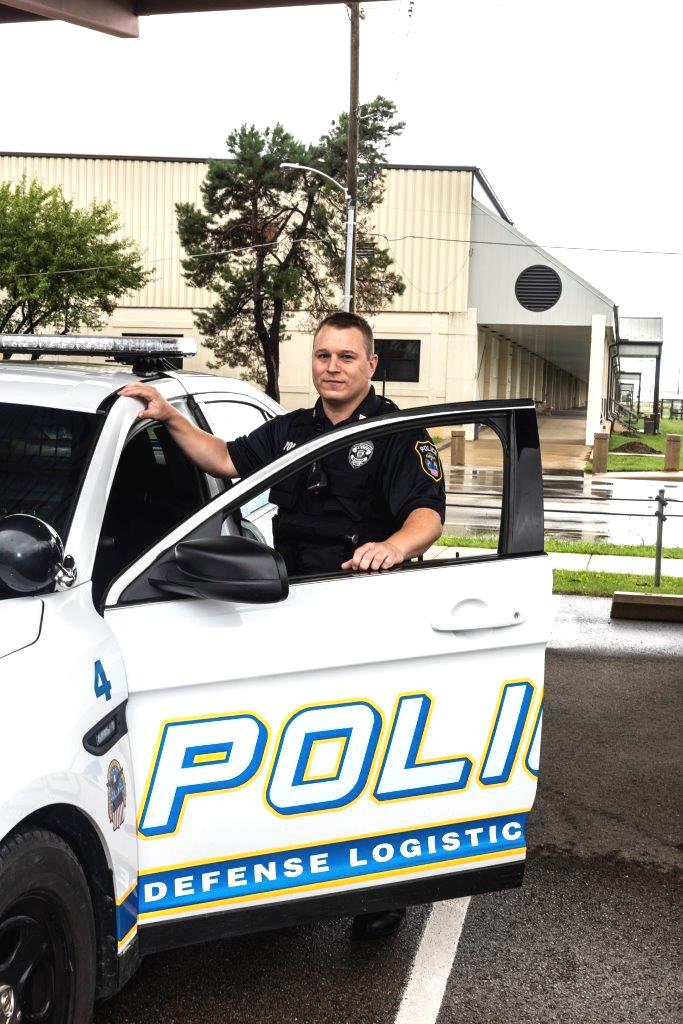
<point>322,535</point>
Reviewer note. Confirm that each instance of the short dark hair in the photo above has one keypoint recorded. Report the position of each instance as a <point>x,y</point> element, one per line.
<point>347,320</point>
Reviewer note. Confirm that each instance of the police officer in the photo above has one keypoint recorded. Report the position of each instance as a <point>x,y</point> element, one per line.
<point>367,507</point>
<point>371,506</point>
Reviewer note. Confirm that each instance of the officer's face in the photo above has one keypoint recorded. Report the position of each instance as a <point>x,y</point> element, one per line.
<point>341,368</point>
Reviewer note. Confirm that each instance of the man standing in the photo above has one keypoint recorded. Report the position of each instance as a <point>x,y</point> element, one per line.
<point>371,506</point>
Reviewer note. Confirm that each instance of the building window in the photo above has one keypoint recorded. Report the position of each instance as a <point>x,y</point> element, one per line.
<point>399,361</point>
<point>538,288</point>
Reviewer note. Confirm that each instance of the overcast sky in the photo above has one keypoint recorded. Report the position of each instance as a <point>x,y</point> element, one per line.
<point>572,108</point>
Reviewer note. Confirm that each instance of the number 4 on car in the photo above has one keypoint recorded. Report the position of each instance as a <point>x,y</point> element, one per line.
<point>196,745</point>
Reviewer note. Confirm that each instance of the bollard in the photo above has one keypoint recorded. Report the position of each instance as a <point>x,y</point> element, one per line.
<point>457,447</point>
<point>672,454</point>
<point>661,519</point>
<point>600,447</point>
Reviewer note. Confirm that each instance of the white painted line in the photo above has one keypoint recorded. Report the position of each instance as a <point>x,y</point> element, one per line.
<point>433,962</point>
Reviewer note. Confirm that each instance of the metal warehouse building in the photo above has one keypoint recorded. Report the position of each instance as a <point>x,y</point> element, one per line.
<point>485,314</point>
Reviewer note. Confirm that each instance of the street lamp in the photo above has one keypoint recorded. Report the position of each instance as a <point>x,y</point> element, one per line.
<point>350,223</point>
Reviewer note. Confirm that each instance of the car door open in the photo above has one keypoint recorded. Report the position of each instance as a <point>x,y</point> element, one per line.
<point>364,741</point>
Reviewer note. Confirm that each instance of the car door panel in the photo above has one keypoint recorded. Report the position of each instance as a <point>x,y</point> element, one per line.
<point>339,741</point>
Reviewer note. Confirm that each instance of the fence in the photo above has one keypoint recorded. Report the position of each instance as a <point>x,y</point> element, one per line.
<point>659,500</point>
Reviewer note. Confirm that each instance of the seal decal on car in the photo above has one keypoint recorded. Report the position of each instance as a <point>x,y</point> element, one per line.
<point>116,794</point>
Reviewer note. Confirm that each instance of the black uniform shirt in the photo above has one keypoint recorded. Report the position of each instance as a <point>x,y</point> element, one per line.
<point>409,474</point>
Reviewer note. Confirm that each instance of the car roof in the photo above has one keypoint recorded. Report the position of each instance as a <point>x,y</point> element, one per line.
<point>82,387</point>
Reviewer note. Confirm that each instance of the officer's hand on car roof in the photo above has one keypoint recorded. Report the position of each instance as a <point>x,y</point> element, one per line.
<point>156,407</point>
<point>375,555</point>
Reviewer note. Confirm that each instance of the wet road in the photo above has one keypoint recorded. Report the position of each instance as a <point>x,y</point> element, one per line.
<point>576,507</point>
<point>592,936</point>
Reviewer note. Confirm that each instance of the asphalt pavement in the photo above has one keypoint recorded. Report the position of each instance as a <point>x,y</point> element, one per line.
<point>591,936</point>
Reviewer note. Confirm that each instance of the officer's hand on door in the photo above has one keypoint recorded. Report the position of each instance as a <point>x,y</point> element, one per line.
<point>375,555</point>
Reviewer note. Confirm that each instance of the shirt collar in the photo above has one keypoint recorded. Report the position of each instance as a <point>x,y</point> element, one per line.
<point>368,407</point>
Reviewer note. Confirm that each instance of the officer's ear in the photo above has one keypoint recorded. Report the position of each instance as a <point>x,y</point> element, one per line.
<point>373,364</point>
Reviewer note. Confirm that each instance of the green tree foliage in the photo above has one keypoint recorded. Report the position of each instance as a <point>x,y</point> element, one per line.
<point>270,242</point>
<point>45,244</point>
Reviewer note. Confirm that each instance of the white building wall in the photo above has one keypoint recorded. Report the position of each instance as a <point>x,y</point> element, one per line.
<point>424,221</point>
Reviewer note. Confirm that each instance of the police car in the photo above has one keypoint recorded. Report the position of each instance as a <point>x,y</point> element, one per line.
<point>195,746</point>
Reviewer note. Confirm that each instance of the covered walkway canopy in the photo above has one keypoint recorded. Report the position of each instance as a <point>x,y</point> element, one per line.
<point>543,321</point>
<point>120,17</point>
<point>641,337</point>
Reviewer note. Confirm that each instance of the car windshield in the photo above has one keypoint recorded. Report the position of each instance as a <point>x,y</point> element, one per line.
<point>43,456</point>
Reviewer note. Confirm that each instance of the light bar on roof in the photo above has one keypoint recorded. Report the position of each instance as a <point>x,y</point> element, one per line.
<point>95,345</point>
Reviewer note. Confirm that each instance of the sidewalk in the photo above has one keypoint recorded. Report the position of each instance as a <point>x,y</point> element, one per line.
<point>592,563</point>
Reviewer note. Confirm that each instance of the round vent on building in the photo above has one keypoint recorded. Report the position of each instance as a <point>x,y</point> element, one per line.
<point>538,288</point>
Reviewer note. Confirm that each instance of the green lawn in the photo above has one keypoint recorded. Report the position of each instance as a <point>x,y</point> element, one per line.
<point>640,463</point>
<point>603,584</point>
<point>580,547</point>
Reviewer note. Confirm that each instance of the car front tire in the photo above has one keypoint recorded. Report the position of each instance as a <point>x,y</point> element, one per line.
<point>47,932</point>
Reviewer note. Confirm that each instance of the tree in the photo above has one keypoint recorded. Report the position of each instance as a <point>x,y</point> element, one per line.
<point>270,242</point>
<point>61,267</point>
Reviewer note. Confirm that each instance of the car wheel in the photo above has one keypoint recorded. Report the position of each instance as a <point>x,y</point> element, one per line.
<point>47,933</point>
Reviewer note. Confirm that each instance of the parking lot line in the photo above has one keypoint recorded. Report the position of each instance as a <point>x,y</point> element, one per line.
<point>432,964</point>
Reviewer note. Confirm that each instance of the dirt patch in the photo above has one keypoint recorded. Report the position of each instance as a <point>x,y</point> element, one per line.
<point>636,448</point>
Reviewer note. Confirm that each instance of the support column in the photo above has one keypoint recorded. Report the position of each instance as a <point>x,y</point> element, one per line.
<point>515,386</point>
<point>595,377</point>
<point>493,372</point>
<point>538,379</point>
<point>504,368</point>
<point>461,360</point>
<point>525,390</point>
<point>484,365</point>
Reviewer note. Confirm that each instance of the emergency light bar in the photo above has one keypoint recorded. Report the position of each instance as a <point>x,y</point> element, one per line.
<point>122,349</point>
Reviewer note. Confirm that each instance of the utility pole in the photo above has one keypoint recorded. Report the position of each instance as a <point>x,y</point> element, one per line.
<point>352,154</point>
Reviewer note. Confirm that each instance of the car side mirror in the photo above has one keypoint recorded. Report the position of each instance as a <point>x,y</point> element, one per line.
<point>32,555</point>
<point>224,569</point>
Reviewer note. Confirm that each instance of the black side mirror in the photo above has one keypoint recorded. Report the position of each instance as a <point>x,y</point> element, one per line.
<point>31,555</point>
<point>224,569</point>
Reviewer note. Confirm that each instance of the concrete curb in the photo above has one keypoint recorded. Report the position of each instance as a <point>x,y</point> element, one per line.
<point>649,607</point>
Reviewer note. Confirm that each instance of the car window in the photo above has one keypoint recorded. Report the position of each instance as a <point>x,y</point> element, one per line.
<point>155,488</point>
<point>44,454</point>
<point>229,419</point>
<point>471,469</point>
<point>366,492</point>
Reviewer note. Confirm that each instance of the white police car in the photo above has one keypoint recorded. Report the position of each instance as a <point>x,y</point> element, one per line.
<point>193,747</point>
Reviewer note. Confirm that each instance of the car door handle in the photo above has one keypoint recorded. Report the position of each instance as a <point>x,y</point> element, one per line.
<point>471,615</point>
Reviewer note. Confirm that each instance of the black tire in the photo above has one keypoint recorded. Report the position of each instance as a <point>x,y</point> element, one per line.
<point>47,931</point>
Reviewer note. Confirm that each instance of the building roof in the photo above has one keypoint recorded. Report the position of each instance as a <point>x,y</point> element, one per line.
<point>517,238</point>
<point>641,328</point>
<point>476,172</point>
<point>120,18</point>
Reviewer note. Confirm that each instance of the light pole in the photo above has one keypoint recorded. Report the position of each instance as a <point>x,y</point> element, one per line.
<point>350,224</point>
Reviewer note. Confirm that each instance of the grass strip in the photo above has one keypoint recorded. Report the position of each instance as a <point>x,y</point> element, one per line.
<point>576,547</point>
<point>638,463</point>
<point>603,584</point>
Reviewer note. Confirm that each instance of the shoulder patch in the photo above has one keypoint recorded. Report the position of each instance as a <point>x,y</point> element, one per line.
<point>430,463</point>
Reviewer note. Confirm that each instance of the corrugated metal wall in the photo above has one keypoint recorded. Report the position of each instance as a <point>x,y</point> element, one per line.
<point>144,193</point>
<point>424,219</point>
<point>422,213</point>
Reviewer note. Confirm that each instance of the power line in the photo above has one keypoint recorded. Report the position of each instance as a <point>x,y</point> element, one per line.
<point>376,234</point>
<point>525,245</point>
<point>162,259</point>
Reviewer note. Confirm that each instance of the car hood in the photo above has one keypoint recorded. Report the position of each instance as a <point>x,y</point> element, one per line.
<point>20,622</point>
